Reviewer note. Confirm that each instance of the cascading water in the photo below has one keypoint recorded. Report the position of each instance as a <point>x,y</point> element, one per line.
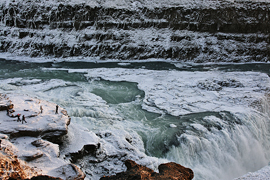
<point>224,149</point>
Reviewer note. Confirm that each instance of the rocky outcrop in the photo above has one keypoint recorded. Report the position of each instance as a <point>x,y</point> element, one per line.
<point>18,164</point>
<point>167,171</point>
<point>26,147</point>
<point>12,168</point>
<point>217,31</point>
<point>68,171</point>
<point>37,123</point>
<point>86,150</point>
<point>6,107</point>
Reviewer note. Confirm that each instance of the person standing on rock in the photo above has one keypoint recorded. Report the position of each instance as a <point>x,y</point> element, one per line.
<point>23,119</point>
<point>56,110</point>
<point>18,120</point>
<point>41,109</point>
<point>8,111</point>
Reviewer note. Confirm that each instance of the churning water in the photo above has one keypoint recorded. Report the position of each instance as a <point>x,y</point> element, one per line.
<point>213,119</point>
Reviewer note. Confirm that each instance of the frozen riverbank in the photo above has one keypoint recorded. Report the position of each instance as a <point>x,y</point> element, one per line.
<point>28,132</point>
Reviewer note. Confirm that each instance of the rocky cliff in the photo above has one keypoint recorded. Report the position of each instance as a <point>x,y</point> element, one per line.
<point>199,31</point>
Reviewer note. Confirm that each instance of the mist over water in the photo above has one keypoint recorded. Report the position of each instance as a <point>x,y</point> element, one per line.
<point>218,143</point>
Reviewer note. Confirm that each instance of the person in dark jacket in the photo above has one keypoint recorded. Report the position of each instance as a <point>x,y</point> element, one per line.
<point>19,119</point>
<point>23,119</point>
<point>56,110</point>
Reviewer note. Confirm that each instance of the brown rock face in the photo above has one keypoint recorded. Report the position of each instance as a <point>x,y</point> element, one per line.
<point>6,107</point>
<point>13,168</point>
<point>167,171</point>
<point>172,170</point>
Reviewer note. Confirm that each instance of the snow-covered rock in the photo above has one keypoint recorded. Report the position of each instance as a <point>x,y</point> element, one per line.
<point>28,143</point>
<point>47,124</point>
<point>262,174</point>
<point>197,30</point>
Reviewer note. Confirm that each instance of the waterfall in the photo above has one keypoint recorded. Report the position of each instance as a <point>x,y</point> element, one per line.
<point>229,151</point>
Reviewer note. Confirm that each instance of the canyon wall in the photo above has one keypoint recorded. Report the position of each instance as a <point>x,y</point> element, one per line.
<point>217,31</point>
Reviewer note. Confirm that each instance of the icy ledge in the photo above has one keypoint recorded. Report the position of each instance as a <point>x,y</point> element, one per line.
<point>263,173</point>
<point>30,144</point>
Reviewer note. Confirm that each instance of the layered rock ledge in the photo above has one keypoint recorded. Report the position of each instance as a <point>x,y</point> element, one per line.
<point>200,31</point>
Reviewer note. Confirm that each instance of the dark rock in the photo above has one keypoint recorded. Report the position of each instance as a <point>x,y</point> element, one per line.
<point>167,171</point>
<point>209,86</point>
<point>39,143</point>
<point>229,83</point>
<point>86,150</point>
<point>6,107</point>
<point>23,34</point>
<point>44,177</point>
<point>32,157</point>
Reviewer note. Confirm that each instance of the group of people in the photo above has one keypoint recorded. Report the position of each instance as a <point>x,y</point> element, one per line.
<point>18,116</point>
<point>23,117</point>
<point>21,120</point>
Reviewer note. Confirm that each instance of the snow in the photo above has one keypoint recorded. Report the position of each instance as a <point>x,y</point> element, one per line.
<point>262,174</point>
<point>180,92</point>
<point>49,151</point>
<point>117,146</point>
<point>77,137</point>
<point>29,145</point>
<point>37,122</point>
<point>134,4</point>
<point>173,126</point>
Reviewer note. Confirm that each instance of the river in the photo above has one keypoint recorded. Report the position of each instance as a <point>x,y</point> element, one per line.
<point>212,118</point>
